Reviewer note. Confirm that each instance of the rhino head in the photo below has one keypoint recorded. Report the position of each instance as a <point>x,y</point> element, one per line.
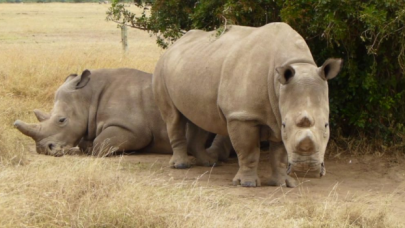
<point>63,128</point>
<point>304,109</point>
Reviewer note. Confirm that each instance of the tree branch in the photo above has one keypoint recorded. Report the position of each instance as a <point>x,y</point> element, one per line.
<point>130,25</point>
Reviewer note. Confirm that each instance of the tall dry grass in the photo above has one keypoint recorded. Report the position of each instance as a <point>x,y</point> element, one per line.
<point>96,192</point>
<point>40,44</point>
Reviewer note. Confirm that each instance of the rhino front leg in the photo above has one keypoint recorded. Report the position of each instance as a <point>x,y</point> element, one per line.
<point>196,138</point>
<point>245,138</point>
<point>278,162</point>
<point>114,138</point>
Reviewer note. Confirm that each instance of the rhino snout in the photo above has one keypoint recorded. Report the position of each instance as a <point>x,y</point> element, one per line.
<point>51,148</point>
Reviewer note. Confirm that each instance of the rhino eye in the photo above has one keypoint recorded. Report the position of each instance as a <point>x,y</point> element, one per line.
<point>283,125</point>
<point>62,120</point>
<point>326,125</point>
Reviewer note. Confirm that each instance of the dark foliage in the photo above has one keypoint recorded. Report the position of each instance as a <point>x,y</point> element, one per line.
<point>368,97</point>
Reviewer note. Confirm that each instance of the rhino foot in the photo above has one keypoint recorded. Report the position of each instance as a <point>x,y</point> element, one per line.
<point>207,163</point>
<point>181,166</point>
<point>283,180</point>
<point>290,182</point>
<point>218,155</point>
<point>180,163</point>
<point>246,180</point>
<point>206,160</point>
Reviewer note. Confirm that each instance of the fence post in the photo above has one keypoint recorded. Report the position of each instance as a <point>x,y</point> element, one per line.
<point>124,38</point>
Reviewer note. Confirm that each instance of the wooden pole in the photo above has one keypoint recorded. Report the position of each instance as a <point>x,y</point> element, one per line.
<point>124,38</point>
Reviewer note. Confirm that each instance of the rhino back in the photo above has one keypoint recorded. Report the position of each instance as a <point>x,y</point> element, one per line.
<point>231,76</point>
<point>123,97</point>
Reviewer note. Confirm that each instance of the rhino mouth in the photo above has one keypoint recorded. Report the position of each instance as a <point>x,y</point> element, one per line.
<point>306,169</point>
<point>57,154</point>
<point>55,150</point>
<point>306,153</point>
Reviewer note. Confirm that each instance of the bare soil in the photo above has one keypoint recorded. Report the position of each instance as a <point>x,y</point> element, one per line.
<point>373,178</point>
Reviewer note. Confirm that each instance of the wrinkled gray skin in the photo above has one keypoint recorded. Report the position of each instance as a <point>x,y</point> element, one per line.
<point>108,110</point>
<point>250,84</point>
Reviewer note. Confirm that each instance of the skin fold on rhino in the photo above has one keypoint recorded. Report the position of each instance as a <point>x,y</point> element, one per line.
<point>251,84</point>
<point>112,110</point>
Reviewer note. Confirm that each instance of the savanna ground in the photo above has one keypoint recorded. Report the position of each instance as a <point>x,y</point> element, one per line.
<point>40,44</point>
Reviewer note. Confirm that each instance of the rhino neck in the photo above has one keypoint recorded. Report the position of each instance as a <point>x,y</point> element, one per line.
<point>81,106</point>
<point>94,98</point>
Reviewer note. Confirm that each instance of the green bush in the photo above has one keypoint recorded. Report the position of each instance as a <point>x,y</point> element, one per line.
<point>369,94</point>
<point>367,98</point>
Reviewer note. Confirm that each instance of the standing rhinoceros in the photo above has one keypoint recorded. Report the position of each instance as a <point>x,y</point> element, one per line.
<point>250,84</point>
<point>109,110</point>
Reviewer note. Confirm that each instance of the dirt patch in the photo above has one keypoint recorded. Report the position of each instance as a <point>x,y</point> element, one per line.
<point>378,180</point>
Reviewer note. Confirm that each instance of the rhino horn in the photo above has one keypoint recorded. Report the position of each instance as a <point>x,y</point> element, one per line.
<point>31,130</point>
<point>41,116</point>
<point>304,120</point>
<point>306,143</point>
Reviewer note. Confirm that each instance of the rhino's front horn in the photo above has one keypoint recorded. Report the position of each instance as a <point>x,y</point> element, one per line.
<point>306,143</point>
<point>31,130</point>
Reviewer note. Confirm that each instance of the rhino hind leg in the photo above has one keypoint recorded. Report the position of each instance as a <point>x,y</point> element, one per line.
<point>116,139</point>
<point>175,122</point>
<point>278,162</point>
<point>245,138</point>
<point>196,138</point>
<point>176,129</point>
<point>220,148</point>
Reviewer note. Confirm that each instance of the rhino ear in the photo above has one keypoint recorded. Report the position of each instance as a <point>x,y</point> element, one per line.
<point>330,68</point>
<point>285,73</point>
<point>41,116</point>
<point>70,77</point>
<point>84,79</point>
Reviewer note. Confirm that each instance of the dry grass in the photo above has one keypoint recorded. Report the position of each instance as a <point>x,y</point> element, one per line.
<point>96,192</point>
<point>363,146</point>
<point>40,44</point>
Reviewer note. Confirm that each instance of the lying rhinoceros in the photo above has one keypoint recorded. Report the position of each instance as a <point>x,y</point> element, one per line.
<point>109,110</point>
<point>250,84</point>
